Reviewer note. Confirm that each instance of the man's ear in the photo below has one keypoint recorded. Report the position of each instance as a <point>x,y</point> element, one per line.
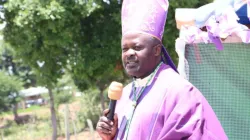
<point>157,50</point>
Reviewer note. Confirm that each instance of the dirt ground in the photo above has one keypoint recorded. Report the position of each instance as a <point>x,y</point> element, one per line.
<point>86,135</point>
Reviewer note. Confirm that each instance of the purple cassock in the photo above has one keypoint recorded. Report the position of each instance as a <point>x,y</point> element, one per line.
<point>170,108</point>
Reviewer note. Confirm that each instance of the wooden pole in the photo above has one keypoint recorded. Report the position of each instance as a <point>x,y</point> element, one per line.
<point>75,130</point>
<point>66,120</point>
<point>90,124</point>
<point>2,135</point>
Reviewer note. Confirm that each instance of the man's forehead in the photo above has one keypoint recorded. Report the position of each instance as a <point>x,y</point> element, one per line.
<point>136,37</point>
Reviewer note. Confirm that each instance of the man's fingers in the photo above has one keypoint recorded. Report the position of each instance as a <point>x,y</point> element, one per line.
<point>105,112</point>
<point>103,127</point>
<point>105,131</point>
<point>106,120</point>
<point>104,124</point>
<point>115,118</point>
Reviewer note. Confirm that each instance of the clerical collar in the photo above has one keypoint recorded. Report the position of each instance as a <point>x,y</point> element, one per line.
<point>141,82</point>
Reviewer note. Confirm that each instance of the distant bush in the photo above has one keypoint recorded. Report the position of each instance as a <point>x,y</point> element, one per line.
<point>62,97</point>
<point>35,129</point>
<point>90,107</point>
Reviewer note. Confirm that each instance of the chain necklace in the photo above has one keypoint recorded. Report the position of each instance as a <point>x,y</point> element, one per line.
<point>135,99</point>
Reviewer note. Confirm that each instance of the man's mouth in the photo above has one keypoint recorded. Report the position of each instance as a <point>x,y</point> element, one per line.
<point>131,63</point>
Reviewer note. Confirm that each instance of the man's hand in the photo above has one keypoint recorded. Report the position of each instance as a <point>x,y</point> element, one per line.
<point>106,128</point>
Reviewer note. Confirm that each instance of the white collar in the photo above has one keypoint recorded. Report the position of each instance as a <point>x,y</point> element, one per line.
<point>141,82</point>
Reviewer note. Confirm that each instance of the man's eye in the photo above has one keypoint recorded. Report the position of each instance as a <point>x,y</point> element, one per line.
<point>124,49</point>
<point>138,48</point>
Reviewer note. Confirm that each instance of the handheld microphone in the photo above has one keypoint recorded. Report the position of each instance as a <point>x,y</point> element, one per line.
<point>114,93</point>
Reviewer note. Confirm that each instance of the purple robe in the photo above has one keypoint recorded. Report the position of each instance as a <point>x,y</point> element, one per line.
<point>170,108</point>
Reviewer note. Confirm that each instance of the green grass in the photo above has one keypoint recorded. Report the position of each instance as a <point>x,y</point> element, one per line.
<point>39,127</point>
<point>30,109</point>
<point>30,131</point>
<point>26,110</point>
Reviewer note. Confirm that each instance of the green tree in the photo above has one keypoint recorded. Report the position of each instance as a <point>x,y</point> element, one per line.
<point>10,63</point>
<point>101,52</point>
<point>85,35</point>
<point>98,60</point>
<point>15,69</point>
<point>9,93</point>
<point>45,34</point>
<point>65,90</point>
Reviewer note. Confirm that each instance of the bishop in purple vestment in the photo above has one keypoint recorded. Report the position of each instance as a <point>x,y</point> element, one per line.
<point>170,109</point>
<point>158,104</point>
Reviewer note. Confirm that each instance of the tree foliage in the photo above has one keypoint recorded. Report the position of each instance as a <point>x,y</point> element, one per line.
<point>82,36</point>
<point>10,86</point>
<point>13,65</point>
<point>48,36</point>
<point>64,90</point>
<point>17,75</point>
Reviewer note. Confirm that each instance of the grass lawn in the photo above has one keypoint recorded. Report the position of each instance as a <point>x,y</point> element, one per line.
<point>31,109</point>
<point>39,125</point>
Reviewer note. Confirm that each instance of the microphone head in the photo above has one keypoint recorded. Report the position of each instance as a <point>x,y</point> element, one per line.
<point>115,90</point>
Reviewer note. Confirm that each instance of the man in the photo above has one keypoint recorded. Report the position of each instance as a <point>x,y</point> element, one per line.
<point>158,104</point>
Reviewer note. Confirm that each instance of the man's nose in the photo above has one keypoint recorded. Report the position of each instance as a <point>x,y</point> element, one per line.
<point>131,52</point>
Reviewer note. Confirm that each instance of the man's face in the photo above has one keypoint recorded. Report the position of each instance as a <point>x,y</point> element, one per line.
<point>138,54</point>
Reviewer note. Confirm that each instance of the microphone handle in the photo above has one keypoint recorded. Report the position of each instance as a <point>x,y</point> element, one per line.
<point>111,113</point>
